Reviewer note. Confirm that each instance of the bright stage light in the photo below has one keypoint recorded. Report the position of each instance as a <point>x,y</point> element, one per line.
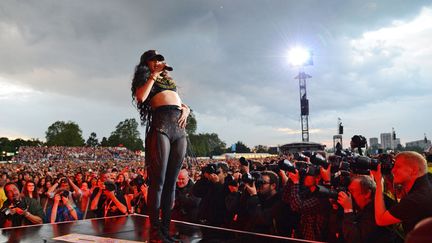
<point>299,56</point>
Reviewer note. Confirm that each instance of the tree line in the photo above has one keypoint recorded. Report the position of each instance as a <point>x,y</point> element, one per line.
<point>126,134</point>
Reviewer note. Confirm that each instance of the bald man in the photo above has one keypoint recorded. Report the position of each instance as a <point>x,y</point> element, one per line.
<point>186,204</point>
<point>409,173</point>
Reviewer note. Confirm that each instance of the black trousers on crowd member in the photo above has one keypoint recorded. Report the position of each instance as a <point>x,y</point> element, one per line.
<point>165,150</point>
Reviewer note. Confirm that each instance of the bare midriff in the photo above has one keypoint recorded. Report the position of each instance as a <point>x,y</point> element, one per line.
<point>166,97</point>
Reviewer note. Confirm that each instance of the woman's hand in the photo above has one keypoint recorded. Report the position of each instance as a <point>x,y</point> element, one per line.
<point>156,68</point>
<point>185,111</point>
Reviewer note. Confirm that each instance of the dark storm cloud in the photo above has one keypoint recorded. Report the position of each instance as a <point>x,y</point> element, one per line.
<point>228,56</point>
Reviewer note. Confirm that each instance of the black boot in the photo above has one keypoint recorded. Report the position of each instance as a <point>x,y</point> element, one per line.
<point>165,233</point>
<point>156,235</point>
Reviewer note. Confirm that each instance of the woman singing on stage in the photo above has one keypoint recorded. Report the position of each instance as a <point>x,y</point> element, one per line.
<point>165,116</point>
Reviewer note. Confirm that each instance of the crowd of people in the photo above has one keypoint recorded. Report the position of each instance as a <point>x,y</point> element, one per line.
<point>61,153</point>
<point>292,195</point>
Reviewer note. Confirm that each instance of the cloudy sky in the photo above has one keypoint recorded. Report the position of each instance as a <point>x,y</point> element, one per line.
<point>73,61</point>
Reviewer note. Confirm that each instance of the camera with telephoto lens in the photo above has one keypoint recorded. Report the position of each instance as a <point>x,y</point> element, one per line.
<point>286,165</point>
<point>387,163</point>
<point>300,157</point>
<point>251,178</point>
<point>318,159</point>
<point>363,165</point>
<point>339,181</point>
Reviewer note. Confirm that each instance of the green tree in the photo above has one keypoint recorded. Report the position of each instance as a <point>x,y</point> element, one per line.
<point>14,145</point>
<point>104,142</point>
<point>242,148</point>
<point>126,134</point>
<point>206,144</point>
<point>260,149</point>
<point>92,141</point>
<point>62,133</point>
<point>191,125</point>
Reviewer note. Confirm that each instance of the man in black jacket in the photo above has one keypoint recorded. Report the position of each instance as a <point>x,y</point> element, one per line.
<point>212,190</point>
<point>264,204</point>
<point>186,204</point>
<point>359,219</point>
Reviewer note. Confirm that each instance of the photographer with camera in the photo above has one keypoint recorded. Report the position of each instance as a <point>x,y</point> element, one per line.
<point>62,209</point>
<point>409,174</point>
<point>212,190</point>
<point>304,199</point>
<point>108,200</point>
<point>17,210</point>
<point>359,219</point>
<point>264,204</point>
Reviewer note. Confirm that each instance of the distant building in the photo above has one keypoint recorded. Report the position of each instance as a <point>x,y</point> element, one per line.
<point>396,142</point>
<point>301,146</point>
<point>373,142</point>
<point>386,141</point>
<point>419,143</point>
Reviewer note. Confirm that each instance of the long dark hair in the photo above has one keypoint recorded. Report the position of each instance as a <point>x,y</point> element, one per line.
<point>26,192</point>
<point>142,73</point>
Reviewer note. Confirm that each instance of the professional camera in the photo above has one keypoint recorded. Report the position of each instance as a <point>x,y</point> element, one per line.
<point>387,163</point>
<point>17,204</point>
<point>300,157</point>
<point>339,181</point>
<point>318,159</point>
<point>362,164</point>
<point>338,163</point>
<point>327,193</point>
<point>286,165</point>
<point>311,170</point>
<point>251,178</point>
<point>211,168</point>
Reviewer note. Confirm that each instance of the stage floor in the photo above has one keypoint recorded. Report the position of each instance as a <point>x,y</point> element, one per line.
<point>126,229</point>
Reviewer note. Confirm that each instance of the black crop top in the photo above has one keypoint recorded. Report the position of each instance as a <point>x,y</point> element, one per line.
<point>162,84</point>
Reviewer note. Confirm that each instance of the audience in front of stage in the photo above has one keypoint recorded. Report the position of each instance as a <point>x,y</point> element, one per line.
<point>57,186</point>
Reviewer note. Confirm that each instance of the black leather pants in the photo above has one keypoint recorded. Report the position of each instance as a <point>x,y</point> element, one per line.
<point>165,151</point>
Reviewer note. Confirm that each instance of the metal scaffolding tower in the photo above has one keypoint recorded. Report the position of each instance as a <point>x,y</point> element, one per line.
<point>304,105</point>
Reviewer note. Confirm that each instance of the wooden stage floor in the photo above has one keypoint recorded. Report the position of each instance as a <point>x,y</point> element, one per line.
<point>127,229</point>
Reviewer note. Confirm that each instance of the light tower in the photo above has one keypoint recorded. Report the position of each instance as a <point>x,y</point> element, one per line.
<point>337,139</point>
<point>300,58</point>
